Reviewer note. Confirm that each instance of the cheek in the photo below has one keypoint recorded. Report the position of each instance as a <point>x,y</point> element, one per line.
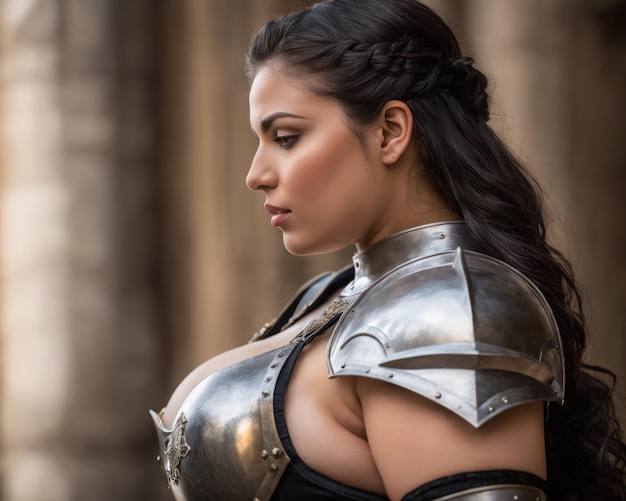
<point>332,160</point>
<point>312,172</point>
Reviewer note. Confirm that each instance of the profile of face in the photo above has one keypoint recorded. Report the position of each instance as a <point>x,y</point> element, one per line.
<point>325,186</point>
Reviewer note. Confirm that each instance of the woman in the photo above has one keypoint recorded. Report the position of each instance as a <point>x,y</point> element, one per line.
<point>453,344</point>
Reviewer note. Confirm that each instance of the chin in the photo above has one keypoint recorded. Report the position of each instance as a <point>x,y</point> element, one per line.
<point>299,248</point>
<point>296,250</point>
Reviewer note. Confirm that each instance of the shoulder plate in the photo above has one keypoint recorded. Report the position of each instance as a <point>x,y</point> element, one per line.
<point>460,328</point>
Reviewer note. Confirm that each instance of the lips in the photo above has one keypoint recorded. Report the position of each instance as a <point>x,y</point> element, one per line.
<point>279,215</point>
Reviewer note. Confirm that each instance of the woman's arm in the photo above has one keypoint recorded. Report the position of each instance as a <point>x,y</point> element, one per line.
<point>414,440</point>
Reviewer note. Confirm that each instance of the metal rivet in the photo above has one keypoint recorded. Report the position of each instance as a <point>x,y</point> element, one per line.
<point>268,378</point>
<point>265,393</point>
<point>343,366</point>
<point>386,345</point>
<point>276,452</point>
<point>280,354</point>
<point>505,399</point>
<point>264,454</point>
<point>490,409</point>
<point>274,467</point>
<point>357,264</point>
<point>367,371</point>
<point>390,376</point>
<point>437,395</point>
<point>158,458</point>
<point>274,365</point>
<point>256,499</point>
<point>442,236</point>
<point>516,497</point>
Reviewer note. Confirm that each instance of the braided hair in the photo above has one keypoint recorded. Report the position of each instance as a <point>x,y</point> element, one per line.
<point>364,53</point>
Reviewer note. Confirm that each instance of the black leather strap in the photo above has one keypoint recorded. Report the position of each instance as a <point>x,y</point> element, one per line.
<point>461,482</point>
<point>309,297</point>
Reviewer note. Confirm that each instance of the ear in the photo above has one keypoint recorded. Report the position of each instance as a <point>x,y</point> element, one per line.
<point>396,125</point>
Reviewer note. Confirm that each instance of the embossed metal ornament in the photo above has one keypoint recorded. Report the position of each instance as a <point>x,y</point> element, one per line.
<point>336,308</point>
<point>177,449</point>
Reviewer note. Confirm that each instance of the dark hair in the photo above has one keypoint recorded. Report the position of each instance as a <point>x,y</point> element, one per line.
<point>365,53</point>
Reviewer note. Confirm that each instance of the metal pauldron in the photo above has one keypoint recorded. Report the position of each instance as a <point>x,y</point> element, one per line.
<point>458,327</point>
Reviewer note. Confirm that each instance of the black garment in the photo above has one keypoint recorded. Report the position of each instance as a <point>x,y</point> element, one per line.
<point>304,484</point>
<point>464,481</point>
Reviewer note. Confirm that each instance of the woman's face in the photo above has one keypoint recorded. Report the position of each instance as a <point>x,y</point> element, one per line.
<point>321,187</point>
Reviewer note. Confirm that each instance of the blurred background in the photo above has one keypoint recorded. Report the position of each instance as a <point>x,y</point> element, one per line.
<point>131,250</point>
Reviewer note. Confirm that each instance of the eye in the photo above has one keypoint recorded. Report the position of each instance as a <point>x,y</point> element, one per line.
<point>287,141</point>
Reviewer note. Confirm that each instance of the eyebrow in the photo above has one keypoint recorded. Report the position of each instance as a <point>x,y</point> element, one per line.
<point>267,121</point>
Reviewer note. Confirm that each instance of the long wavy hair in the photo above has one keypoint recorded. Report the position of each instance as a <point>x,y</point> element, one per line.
<point>364,53</point>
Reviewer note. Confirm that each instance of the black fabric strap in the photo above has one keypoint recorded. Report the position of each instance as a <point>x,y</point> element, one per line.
<point>463,481</point>
<point>312,296</point>
<point>300,481</point>
<point>323,289</point>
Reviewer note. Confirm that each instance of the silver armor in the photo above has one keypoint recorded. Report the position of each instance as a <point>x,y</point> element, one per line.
<point>224,444</point>
<point>460,328</point>
<point>504,492</point>
<point>455,326</point>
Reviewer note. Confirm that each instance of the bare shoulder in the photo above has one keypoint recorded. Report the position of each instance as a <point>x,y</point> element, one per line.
<point>413,440</point>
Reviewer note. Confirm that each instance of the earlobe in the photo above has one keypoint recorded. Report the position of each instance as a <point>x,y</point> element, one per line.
<point>396,121</point>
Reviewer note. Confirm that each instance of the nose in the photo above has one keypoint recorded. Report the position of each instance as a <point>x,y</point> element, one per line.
<point>261,176</point>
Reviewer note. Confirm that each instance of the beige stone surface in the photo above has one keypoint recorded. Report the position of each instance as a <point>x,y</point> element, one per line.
<point>81,338</point>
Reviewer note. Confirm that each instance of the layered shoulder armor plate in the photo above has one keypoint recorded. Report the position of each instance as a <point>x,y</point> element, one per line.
<point>460,328</point>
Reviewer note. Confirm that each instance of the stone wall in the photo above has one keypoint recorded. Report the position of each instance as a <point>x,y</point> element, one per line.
<point>559,70</point>
<point>80,324</point>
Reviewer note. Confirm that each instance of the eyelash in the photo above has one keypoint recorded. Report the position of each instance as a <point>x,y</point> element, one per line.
<point>286,142</point>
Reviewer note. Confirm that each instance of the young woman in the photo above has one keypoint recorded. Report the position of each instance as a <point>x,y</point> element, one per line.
<point>446,362</point>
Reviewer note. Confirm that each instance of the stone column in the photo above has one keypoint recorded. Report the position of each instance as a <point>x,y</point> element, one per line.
<point>81,339</point>
<point>597,178</point>
<point>559,69</point>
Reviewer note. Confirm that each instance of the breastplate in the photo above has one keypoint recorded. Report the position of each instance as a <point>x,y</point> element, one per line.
<point>224,444</point>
